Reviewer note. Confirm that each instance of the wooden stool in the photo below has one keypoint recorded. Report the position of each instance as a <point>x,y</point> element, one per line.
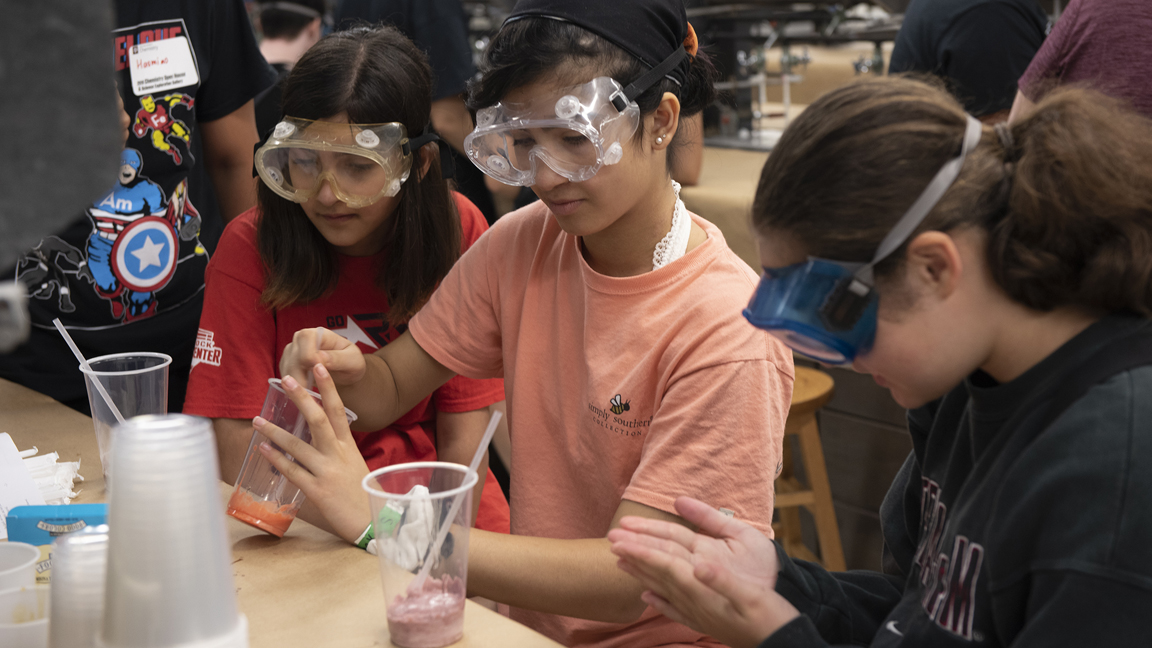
<point>812,390</point>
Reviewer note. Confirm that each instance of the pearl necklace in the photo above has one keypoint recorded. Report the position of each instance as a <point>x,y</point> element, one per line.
<point>675,242</point>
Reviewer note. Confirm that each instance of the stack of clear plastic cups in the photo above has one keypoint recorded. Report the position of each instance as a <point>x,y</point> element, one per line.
<point>79,563</point>
<point>169,577</point>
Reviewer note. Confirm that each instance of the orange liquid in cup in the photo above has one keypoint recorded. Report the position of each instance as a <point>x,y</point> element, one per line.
<point>266,515</point>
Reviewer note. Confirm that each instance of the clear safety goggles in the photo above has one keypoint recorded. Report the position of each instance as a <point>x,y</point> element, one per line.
<point>826,309</point>
<point>575,134</point>
<point>362,163</point>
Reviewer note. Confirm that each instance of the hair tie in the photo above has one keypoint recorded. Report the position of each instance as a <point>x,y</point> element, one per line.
<point>691,44</point>
<point>1004,132</point>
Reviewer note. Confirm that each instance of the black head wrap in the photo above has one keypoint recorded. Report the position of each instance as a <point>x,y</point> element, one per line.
<point>651,30</point>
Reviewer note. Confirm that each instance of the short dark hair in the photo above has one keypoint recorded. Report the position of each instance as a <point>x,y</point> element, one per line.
<point>374,75</point>
<point>530,49</point>
<point>1067,209</point>
<point>280,23</point>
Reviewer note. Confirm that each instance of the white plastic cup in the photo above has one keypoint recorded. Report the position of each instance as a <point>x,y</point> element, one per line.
<point>169,575</point>
<point>264,498</point>
<point>24,617</point>
<point>79,565</point>
<point>405,527</point>
<point>137,383</point>
<point>18,565</point>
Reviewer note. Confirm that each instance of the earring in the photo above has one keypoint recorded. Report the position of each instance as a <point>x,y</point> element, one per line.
<point>660,140</point>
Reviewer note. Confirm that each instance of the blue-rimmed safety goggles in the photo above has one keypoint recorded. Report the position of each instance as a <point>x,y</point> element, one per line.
<point>818,308</point>
<point>827,309</point>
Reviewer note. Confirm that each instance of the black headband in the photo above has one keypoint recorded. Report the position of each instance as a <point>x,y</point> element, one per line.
<point>447,162</point>
<point>651,30</point>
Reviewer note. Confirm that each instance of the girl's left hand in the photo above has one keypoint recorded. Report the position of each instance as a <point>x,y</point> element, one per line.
<point>721,582</point>
<point>331,468</point>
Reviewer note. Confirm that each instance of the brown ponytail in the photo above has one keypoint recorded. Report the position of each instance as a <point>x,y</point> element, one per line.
<point>1065,196</point>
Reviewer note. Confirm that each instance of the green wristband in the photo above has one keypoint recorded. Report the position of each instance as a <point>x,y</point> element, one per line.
<point>365,538</point>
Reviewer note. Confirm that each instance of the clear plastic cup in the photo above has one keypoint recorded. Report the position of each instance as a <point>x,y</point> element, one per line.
<point>169,574</point>
<point>137,383</point>
<point>79,564</point>
<point>264,498</point>
<point>18,565</point>
<point>24,617</point>
<point>406,519</point>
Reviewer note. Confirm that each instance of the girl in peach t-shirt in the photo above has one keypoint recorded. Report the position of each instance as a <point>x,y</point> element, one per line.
<point>610,311</point>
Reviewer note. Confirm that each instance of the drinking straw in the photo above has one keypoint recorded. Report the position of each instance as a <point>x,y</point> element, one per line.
<point>84,363</point>
<point>418,584</point>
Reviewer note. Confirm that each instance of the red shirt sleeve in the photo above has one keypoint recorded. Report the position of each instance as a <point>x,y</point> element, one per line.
<point>461,394</point>
<point>235,352</point>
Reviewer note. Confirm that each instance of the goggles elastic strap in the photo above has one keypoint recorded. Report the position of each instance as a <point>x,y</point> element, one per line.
<point>924,204</point>
<point>447,163</point>
<point>621,99</point>
<point>256,147</point>
<point>848,301</point>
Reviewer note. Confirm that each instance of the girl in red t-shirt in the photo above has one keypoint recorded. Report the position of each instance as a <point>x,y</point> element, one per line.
<point>355,227</point>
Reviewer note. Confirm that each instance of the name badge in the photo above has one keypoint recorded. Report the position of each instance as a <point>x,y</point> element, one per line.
<point>162,65</point>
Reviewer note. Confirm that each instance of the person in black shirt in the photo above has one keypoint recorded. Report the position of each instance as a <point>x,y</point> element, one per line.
<point>440,29</point>
<point>996,281</point>
<point>288,29</point>
<point>979,47</point>
<point>128,273</point>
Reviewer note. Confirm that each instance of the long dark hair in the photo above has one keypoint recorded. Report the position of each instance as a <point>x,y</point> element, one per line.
<point>530,49</point>
<point>374,75</point>
<point>1064,195</point>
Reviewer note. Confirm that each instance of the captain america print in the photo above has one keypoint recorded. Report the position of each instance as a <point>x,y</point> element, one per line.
<point>132,250</point>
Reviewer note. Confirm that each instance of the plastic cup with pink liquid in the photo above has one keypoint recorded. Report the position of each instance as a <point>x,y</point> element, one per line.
<point>264,498</point>
<point>410,503</point>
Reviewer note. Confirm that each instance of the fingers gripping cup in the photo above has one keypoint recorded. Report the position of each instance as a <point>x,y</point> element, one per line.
<point>264,498</point>
<point>410,503</point>
<point>137,383</point>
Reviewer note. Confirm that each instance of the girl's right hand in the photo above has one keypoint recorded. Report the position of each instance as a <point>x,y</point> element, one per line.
<point>330,469</point>
<point>313,346</point>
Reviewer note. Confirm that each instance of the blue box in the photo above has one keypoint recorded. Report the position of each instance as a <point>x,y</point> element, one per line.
<point>41,525</point>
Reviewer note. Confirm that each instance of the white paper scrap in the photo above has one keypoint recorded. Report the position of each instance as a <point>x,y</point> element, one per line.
<point>17,487</point>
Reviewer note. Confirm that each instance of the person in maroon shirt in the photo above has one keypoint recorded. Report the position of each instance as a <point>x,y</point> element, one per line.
<point>1103,44</point>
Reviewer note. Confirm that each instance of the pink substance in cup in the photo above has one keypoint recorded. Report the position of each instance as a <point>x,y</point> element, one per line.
<point>265,515</point>
<point>431,618</point>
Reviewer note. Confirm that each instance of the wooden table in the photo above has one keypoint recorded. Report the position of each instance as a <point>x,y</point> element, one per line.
<point>309,588</point>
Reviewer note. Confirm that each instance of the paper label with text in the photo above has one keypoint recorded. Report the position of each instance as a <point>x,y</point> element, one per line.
<point>162,65</point>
